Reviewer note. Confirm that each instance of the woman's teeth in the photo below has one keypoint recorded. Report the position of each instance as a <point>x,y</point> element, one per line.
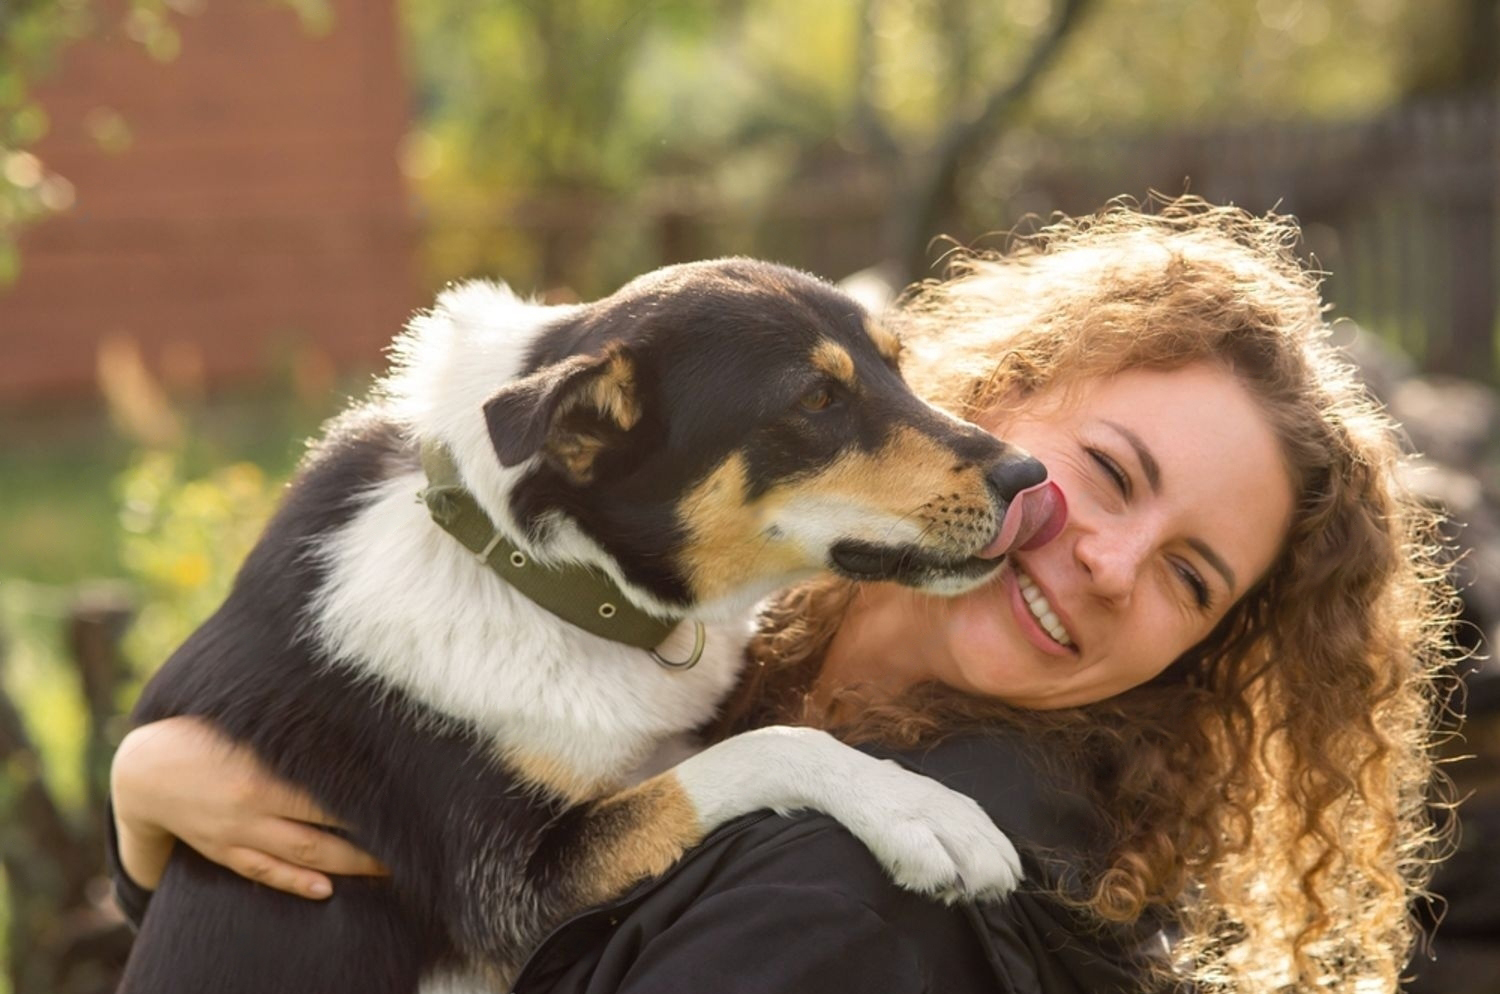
<point>1041,610</point>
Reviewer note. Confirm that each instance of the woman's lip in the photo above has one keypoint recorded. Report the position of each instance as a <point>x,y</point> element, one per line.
<point>1030,627</point>
<point>1032,520</point>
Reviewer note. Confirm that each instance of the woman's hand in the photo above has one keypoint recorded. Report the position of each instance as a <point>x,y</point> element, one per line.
<point>180,779</point>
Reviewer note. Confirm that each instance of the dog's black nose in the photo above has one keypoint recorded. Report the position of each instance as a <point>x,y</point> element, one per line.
<point>1013,474</point>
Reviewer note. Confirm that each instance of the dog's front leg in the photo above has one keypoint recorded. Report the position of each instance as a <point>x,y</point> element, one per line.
<point>929,838</point>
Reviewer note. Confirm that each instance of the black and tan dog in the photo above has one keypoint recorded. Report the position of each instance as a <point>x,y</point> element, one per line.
<point>677,450</point>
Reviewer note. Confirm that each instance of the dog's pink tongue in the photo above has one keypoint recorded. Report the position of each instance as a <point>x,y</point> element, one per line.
<point>1033,519</point>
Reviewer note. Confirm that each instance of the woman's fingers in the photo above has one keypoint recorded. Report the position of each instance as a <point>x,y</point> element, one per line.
<point>294,857</point>
<point>266,869</point>
<point>181,778</point>
<point>314,849</point>
<point>265,795</point>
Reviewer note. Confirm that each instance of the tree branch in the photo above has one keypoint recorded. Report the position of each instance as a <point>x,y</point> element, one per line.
<point>937,192</point>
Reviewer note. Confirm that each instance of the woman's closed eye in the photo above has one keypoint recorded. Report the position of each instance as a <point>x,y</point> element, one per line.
<point>1112,469</point>
<point>1198,587</point>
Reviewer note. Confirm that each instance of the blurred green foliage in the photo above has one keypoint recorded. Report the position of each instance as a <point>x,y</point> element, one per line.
<point>602,109</point>
<point>57,506</point>
<point>182,538</point>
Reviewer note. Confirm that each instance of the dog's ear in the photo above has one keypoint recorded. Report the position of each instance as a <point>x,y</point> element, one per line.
<point>570,411</point>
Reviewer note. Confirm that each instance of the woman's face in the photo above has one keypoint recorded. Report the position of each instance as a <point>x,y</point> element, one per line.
<point>1178,501</point>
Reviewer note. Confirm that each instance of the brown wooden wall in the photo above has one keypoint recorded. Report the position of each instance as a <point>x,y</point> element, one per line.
<point>258,211</point>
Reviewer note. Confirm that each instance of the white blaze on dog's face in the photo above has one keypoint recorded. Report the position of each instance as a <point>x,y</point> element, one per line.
<point>721,429</point>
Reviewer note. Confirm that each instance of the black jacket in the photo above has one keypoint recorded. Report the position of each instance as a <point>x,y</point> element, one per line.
<point>778,905</point>
<point>774,905</point>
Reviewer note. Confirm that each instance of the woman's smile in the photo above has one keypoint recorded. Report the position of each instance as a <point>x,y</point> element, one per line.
<point>1034,603</point>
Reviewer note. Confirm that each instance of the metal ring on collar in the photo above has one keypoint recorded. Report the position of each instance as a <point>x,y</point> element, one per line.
<point>699,637</point>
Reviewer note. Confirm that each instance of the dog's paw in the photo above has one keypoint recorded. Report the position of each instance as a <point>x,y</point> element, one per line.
<point>929,838</point>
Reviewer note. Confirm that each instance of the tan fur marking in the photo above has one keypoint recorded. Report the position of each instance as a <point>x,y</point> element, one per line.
<point>613,392</point>
<point>552,776</point>
<point>642,831</point>
<point>886,342</point>
<point>903,475</point>
<point>914,477</point>
<point>834,360</point>
<point>911,476</point>
<point>727,543</point>
<point>577,452</point>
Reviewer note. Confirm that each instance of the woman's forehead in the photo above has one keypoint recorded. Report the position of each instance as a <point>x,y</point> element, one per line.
<point>1071,393</point>
<point>1181,410</point>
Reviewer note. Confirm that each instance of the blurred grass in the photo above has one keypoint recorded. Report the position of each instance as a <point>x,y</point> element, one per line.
<point>57,517</point>
<point>60,500</point>
<point>62,528</point>
<point>82,504</point>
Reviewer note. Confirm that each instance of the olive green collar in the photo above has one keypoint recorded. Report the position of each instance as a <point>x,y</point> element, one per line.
<point>580,595</point>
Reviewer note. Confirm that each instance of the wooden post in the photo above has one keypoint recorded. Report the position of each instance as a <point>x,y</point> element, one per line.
<point>100,614</point>
<point>63,937</point>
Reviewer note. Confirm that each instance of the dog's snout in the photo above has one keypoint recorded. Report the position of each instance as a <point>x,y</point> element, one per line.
<point>1008,470</point>
<point>1013,474</point>
<point>976,447</point>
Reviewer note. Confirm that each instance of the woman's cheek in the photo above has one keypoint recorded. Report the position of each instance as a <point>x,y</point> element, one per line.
<point>982,641</point>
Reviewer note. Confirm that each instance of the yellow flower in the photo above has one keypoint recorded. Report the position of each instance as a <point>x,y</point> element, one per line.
<point>190,570</point>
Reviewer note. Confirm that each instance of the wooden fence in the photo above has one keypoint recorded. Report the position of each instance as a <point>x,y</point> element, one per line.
<point>1399,208</point>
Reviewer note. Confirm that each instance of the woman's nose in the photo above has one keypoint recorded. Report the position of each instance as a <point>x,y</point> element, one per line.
<point>1112,560</point>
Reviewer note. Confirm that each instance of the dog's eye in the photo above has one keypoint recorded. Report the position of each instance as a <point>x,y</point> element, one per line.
<point>816,399</point>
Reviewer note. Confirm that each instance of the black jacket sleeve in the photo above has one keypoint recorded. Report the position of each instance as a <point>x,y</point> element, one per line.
<point>784,939</point>
<point>129,895</point>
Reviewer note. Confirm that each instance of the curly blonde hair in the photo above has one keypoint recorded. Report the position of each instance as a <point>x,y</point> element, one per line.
<point>1271,789</point>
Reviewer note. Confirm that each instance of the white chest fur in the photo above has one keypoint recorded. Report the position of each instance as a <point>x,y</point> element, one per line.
<point>405,604</point>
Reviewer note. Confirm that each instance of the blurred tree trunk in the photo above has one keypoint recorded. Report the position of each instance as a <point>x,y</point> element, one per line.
<point>938,187</point>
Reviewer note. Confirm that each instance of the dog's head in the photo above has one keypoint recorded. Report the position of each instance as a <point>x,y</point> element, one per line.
<point>720,429</point>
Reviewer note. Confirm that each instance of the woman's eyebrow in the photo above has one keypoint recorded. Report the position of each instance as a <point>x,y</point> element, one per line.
<point>1148,462</point>
<point>1152,470</point>
<point>1213,559</point>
